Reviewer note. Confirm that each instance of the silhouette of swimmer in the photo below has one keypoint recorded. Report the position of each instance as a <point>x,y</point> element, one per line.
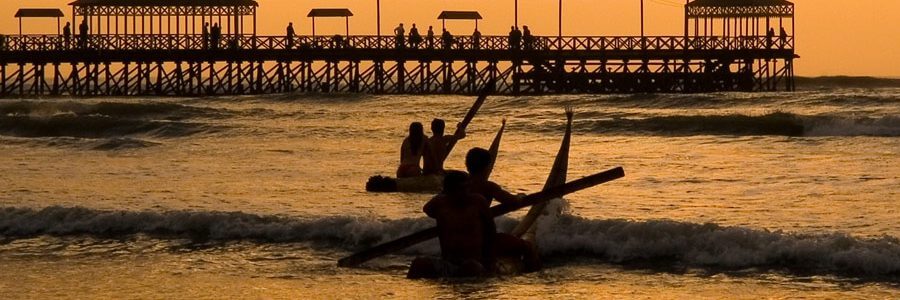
<point>411,152</point>
<point>465,230</point>
<point>437,148</point>
<point>479,162</point>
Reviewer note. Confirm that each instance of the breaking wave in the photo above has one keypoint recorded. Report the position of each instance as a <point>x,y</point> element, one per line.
<point>780,124</point>
<point>101,120</point>
<point>95,126</point>
<point>615,241</point>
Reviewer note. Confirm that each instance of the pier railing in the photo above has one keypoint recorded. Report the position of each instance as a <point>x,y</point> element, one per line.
<point>37,43</point>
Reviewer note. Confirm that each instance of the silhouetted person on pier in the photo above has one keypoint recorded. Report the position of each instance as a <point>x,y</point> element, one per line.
<point>205,35</point>
<point>430,37</point>
<point>83,34</point>
<point>447,39</point>
<point>400,36</point>
<point>414,37</point>
<point>476,39</point>
<point>411,151</point>
<point>527,38</point>
<point>290,35</point>
<point>515,38</point>
<point>434,158</point>
<point>465,232</point>
<point>67,35</point>
<point>215,36</point>
<point>770,34</point>
<point>337,41</point>
<point>783,35</point>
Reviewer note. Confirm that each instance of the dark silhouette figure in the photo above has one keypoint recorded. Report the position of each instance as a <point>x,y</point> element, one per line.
<point>430,38</point>
<point>770,34</point>
<point>527,38</point>
<point>414,37</point>
<point>447,39</point>
<point>437,148</point>
<point>215,36</point>
<point>337,41</point>
<point>476,39</point>
<point>400,36</point>
<point>83,34</point>
<point>479,162</point>
<point>783,35</point>
<point>205,35</point>
<point>465,227</point>
<point>515,38</point>
<point>67,36</point>
<point>290,35</point>
<point>411,151</point>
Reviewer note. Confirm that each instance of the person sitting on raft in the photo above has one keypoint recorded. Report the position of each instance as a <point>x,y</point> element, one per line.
<point>465,232</point>
<point>411,151</point>
<point>438,145</point>
<point>479,162</point>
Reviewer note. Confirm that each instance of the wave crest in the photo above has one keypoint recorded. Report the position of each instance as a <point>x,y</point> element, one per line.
<point>566,238</point>
<point>779,124</point>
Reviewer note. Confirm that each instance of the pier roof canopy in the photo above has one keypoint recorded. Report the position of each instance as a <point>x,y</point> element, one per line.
<point>739,9</point>
<point>164,3</point>
<point>459,15</point>
<point>39,13</point>
<point>329,12</point>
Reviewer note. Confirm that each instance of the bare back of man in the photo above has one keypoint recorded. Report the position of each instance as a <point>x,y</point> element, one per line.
<point>438,148</point>
<point>465,231</point>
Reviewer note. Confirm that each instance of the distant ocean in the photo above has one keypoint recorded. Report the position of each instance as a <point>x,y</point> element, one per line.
<point>726,195</point>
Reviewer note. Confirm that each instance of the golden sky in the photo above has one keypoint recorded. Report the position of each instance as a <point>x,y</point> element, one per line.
<point>834,37</point>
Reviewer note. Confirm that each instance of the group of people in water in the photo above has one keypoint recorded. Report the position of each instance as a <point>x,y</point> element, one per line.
<point>470,244</point>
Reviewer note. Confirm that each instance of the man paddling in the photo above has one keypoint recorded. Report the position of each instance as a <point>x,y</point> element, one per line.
<point>479,162</point>
<point>438,147</point>
<point>465,230</point>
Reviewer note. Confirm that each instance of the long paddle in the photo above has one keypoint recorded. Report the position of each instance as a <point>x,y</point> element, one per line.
<point>482,95</point>
<point>498,210</point>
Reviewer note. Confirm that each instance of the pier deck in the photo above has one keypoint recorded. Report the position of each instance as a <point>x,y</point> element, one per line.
<point>187,65</point>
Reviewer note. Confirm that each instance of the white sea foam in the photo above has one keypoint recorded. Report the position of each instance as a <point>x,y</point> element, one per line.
<point>564,237</point>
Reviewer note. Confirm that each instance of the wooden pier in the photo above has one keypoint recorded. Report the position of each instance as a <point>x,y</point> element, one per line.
<point>186,62</point>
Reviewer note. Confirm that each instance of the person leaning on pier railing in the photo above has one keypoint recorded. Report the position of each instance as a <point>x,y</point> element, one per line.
<point>515,38</point>
<point>290,36</point>
<point>414,37</point>
<point>447,39</point>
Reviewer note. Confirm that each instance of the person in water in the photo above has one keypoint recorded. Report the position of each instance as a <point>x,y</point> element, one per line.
<point>479,162</point>
<point>411,151</point>
<point>465,228</point>
<point>438,145</point>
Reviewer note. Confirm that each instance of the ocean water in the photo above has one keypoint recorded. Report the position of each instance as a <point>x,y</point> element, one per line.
<point>728,195</point>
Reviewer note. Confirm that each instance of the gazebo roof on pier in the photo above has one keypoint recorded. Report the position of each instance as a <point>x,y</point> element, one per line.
<point>164,3</point>
<point>39,13</point>
<point>329,12</point>
<point>459,15</point>
<point>731,3</point>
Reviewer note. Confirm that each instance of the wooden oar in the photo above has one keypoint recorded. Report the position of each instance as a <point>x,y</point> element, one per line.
<point>482,95</point>
<point>499,210</point>
<point>557,177</point>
